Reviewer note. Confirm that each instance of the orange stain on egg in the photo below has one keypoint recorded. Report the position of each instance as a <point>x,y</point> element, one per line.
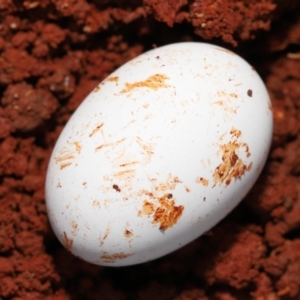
<point>153,82</point>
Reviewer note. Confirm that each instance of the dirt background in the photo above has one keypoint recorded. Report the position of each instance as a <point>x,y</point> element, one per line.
<point>53,53</point>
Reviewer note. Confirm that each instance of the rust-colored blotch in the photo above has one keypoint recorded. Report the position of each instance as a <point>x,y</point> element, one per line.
<point>232,166</point>
<point>167,214</point>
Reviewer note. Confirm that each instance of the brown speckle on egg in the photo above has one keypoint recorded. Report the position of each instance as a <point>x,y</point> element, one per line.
<point>116,187</point>
<point>128,233</point>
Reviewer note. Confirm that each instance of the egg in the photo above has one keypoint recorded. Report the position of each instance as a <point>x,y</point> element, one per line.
<point>158,153</point>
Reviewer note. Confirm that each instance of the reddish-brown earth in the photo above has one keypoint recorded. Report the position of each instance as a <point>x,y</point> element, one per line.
<point>53,53</point>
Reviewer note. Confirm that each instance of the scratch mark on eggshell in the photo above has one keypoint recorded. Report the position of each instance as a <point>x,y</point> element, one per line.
<point>154,82</point>
<point>232,166</point>
<point>123,173</point>
<point>67,242</point>
<point>106,233</point>
<point>64,165</point>
<point>96,129</point>
<point>147,148</point>
<point>129,164</point>
<point>109,144</point>
<point>66,155</point>
<point>131,122</point>
<point>78,147</point>
<point>110,258</point>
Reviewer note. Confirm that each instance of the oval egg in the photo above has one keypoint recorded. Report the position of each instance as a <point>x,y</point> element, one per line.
<point>158,153</point>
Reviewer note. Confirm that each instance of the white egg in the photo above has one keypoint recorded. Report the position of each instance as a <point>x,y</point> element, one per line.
<point>158,153</point>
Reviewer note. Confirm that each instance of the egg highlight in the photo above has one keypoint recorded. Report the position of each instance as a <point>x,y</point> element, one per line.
<point>158,153</point>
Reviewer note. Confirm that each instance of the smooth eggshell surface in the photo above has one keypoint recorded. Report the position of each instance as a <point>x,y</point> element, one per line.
<point>158,153</point>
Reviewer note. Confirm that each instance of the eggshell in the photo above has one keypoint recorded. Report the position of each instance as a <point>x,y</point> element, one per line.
<point>158,153</point>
